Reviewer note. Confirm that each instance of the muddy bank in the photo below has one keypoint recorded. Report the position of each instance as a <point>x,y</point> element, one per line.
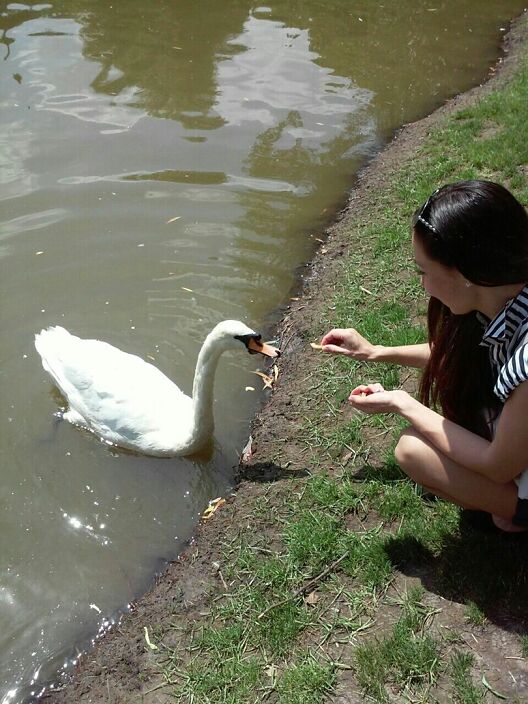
<point>123,667</point>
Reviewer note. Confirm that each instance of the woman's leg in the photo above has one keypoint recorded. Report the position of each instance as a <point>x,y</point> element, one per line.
<point>431,469</point>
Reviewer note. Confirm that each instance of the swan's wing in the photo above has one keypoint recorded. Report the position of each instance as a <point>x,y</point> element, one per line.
<point>115,392</point>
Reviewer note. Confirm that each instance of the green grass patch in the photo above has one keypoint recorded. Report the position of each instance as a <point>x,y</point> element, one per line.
<point>474,614</point>
<point>230,680</point>
<point>524,646</point>
<point>464,689</point>
<point>305,681</point>
<point>407,657</point>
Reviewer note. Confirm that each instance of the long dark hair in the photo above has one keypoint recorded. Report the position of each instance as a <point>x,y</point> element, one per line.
<point>479,228</point>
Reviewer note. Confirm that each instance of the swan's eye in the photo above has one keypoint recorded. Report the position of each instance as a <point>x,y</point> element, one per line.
<point>252,342</point>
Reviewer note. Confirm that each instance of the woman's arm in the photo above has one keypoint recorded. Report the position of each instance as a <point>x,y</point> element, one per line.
<point>500,460</point>
<point>350,343</point>
<point>406,355</point>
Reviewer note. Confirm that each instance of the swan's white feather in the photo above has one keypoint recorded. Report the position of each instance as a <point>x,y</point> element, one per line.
<point>123,399</point>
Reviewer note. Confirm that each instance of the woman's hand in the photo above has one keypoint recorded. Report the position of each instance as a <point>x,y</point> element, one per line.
<point>372,398</point>
<point>348,342</point>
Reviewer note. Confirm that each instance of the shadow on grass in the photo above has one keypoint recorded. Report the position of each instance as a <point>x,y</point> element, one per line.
<point>475,564</point>
<point>265,472</point>
<point>470,562</point>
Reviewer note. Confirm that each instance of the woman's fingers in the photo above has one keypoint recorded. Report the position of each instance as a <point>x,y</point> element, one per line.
<point>367,389</point>
<point>376,388</point>
<point>359,390</point>
<point>339,337</point>
<point>372,398</point>
<point>333,349</point>
<point>331,338</point>
<point>347,342</point>
<point>334,343</point>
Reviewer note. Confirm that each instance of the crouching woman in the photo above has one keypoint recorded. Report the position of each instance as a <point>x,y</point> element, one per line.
<point>470,242</point>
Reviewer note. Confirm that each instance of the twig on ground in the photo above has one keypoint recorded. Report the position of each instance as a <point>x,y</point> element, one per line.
<point>306,587</point>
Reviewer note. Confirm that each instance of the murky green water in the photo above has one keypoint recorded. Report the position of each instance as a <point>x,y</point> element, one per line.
<point>166,165</point>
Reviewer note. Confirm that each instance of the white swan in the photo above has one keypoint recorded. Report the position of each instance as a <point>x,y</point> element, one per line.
<point>129,402</point>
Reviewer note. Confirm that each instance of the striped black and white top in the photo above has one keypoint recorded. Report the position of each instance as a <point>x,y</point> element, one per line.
<point>506,336</point>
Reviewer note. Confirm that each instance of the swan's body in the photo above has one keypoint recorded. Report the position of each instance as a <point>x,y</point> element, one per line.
<point>130,403</point>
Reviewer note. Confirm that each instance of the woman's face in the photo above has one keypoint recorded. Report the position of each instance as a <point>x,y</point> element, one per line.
<point>443,282</point>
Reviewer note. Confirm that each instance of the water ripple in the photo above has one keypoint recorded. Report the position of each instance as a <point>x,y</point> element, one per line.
<point>33,221</point>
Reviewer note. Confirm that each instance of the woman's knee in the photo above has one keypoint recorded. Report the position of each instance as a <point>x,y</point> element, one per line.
<point>410,449</point>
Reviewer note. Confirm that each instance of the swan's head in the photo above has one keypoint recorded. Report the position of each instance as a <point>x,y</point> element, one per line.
<point>230,334</point>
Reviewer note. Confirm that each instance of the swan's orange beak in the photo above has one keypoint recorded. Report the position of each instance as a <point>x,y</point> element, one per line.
<point>256,346</point>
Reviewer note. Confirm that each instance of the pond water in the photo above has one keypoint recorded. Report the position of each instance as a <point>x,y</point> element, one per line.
<point>164,166</point>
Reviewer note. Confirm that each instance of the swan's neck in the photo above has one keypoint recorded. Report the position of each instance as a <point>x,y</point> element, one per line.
<point>203,387</point>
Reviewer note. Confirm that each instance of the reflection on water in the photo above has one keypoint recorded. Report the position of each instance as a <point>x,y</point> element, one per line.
<point>164,166</point>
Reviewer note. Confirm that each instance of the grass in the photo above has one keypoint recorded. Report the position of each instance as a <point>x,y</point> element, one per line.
<point>306,681</point>
<point>465,690</point>
<point>327,598</point>
<point>406,657</point>
<point>524,646</point>
<point>474,614</point>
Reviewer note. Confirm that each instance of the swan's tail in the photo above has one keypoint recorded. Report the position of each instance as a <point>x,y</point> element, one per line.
<point>51,344</point>
<point>50,340</point>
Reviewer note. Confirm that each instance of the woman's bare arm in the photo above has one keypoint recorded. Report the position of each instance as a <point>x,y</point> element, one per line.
<point>500,460</point>
<point>406,355</point>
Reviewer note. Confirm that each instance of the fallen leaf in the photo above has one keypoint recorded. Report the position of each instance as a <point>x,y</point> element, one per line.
<point>150,644</point>
<point>268,381</point>
<point>311,599</point>
<point>247,452</point>
<point>214,505</point>
<point>271,671</point>
<point>347,457</point>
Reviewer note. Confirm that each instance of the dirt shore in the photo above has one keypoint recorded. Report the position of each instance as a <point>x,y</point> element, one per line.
<point>122,668</point>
